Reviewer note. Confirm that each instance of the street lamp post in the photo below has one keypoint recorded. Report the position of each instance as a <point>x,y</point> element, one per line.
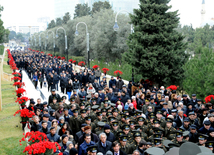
<point>116,28</point>
<point>53,40</point>
<point>87,39</point>
<point>66,46</point>
<point>40,41</point>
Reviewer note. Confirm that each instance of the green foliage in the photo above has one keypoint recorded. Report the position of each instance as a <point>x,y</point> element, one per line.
<point>66,18</point>
<point>20,37</point>
<point>1,49</point>
<point>199,73</point>
<point>58,21</point>
<point>6,35</point>
<point>82,10</point>
<point>97,6</point>
<point>52,24</point>
<point>12,35</point>
<point>156,49</point>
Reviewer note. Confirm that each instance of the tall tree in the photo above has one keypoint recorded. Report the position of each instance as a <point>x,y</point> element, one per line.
<point>156,49</point>
<point>58,21</point>
<point>82,10</point>
<point>97,6</point>
<point>12,35</point>
<point>199,73</point>
<point>66,18</point>
<point>52,24</point>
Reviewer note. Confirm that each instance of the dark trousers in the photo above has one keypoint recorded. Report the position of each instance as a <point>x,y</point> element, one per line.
<point>36,83</point>
<point>41,83</point>
<point>63,90</point>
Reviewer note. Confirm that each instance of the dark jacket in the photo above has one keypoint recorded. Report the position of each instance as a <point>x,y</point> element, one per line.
<point>91,78</point>
<point>102,149</point>
<point>54,138</point>
<point>76,85</point>
<point>120,84</point>
<point>111,82</point>
<point>94,138</point>
<point>35,127</point>
<point>82,95</point>
<point>110,137</point>
<point>50,99</point>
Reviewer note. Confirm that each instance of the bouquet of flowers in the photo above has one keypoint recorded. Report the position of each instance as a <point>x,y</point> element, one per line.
<point>22,100</point>
<point>59,57</point>
<point>20,91</point>
<point>70,60</point>
<point>16,79</point>
<point>34,137</point>
<point>63,58</point>
<point>74,61</point>
<point>16,74</point>
<point>81,63</point>
<point>95,66</point>
<point>118,73</point>
<point>172,87</point>
<point>50,55</point>
<point>25,114</point>
<point>105,70</point>
<point>19,84</point>
<point>209,99</point>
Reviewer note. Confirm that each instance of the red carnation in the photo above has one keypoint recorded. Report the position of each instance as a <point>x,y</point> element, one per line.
<point>172,87</point>
<point>59,57</point>
<point>209,98</point>
<point>70,60</point>
<point>95,66</point>
<point>105,70</point>
<point>74,61</point>
<point>81,63</point>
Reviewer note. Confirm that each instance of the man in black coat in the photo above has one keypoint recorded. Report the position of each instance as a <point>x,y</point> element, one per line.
<point>63,83</point>
<point>53,94</point>
<point>103,145</point>
<point>110,135</point>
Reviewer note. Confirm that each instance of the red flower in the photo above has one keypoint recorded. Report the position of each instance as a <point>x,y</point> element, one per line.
<point>16,79</point>
<point>20,91</point>
<point>22,100</point>
<point>70,60</point>
<point>118,72</point>
<point>95,66</point>
<point>19,84</point>
<point>105,70</point>
<point>172,87</point>
<point>59,57</point>
<point>81,63</point>
<point>63,58</point>
<point>209,98</point>
<point>74,62</point>
<point>185,115</point>
<point>25,113</point>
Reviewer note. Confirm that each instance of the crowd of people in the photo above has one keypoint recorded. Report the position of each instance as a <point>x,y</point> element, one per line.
<point>109,117</point>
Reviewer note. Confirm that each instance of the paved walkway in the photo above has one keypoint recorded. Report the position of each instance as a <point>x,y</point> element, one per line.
<point>37,93</point>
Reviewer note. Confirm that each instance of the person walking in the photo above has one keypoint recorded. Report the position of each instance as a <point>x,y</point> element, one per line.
<point>35,79</point>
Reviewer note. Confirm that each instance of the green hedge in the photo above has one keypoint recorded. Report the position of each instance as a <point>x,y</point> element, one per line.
<point>1,49</point>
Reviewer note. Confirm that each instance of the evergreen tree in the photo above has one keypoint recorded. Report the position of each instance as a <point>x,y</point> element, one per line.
<point>66,18</point>
<point>97,6</point>
<point>52,24</point>
<point>199,73</point>
<point>58,21</point>
<point>82,10</point>
<point>156,49</point>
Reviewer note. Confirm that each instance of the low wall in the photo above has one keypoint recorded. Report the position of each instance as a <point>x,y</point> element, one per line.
<point>108,77</point>
<point>7,76</point>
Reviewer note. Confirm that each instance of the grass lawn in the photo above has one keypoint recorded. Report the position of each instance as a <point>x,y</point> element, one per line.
<point>10,128</point>
<point>6,68</point>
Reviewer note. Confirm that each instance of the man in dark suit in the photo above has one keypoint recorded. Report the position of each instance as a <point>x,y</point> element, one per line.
<point>103,145</point>
<point>180,118</point>
<point>193,100</point>
<point>116,149</point>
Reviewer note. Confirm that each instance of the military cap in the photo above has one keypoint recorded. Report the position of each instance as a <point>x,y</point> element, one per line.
<point>99,113</point>
<point>181,129</point>
<point>111,118</point>
<point>209,144</point>
<point>82,111</point>
<point>104,110</point>
<point>120,133</point>
<point>115,110</point>
<point>122,115</point>
<point>159,112</point>
<point>157,135</point>
<point>199,100</point>
<point>186,134</point>
<point>152,117</point>
<point>193,95</point>
<point>75,111</point>
<point>95,107</point>
<point>125,127</point>
<point>165,103</point>
<point>54,98</point>
<point>157,141</point>
<point>53,90</point>
<point>141,119</point>
<point>202,136</point>
<point>82,104</point>
<point>193,127</point>
<point>88,118</point>
<point>184,95</point>
<point>93,100</point>
<point>115,123</point>
<point>99,109</point>
<point>123,138</point>
<point>125,111</point>
<point>174,110</point>
<point>186,119</point>
<point>132,122</point>
<point>157,130</point>
<point>148,143</point>
<point>169,120</point>
<point>207,122</point>
<point>101,124</point>
<point>44,103</point>
<point>137,127</point>
<point>92,149</point>
<point>137,134</point>
<point>178,133</point>
<point>64,97</point>
<point>126,117</point>
<point>72,99</point>
<point>156,121</point>
<point>106,102</point>
<point>112,104</point>
<point>139,112</point>
<point>151,114</point>
<point>109,114</point>
<point>104,120</point>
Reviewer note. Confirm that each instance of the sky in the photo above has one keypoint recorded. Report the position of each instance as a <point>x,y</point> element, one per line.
<point>26,12</point>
